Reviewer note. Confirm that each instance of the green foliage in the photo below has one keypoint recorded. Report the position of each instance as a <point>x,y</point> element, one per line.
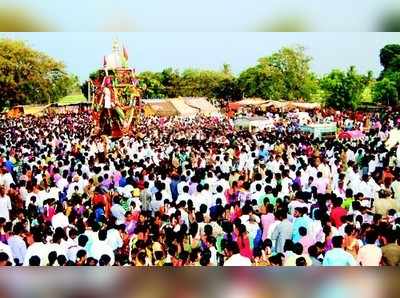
<point>150,83</point>
<point>171,81</point>
<point>385,91</point>
<point>343,90</point>
<point>387,88</point>
<point>284,75</point>
<point>191,83</point>
<point>390,57</point>
<point>199,83</point>
<point>29,76</point>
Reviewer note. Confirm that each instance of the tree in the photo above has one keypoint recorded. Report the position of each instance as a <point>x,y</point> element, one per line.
<point>343,89</point>
<point>385,91</point>
<point>228,89</point>
<point>29,76</point>
<point>390,57</point>
<point>283,75</point>
<point>200,83</point>
<point>262,81</point>
<point>171,81</point>
<point>151,84</point>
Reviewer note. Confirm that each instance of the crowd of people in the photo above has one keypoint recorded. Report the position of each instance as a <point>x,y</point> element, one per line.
<point>197,192</point>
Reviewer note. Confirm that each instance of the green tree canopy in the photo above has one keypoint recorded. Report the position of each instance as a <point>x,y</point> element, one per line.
<point>29,76</point>
<point>151,84</point>
<point>343,89</point>
<point>283,75</point>
<point>385,91</point>
<point>390,57</point>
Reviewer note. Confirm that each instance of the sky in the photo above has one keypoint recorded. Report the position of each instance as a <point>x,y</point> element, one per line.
<point>83,52</point>
<point>206,15</point>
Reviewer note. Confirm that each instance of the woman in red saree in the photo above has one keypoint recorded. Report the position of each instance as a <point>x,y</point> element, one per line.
<point>244,242</point>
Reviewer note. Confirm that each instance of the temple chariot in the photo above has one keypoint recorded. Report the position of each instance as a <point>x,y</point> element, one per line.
<point>115,95</point>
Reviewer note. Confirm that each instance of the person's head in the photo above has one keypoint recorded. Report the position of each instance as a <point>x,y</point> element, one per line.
<point>313,251</point>
<point>82,240</point>
<point>104,260</point>
<point>102,235</point>
<point>18,228</point>
<point>232,248</point>
<point>298,248</point>
<point>91,261</point>
<point>301,261</point>
<point>59,207</point>
<point>61,260</point>
<point>288,246</point>
<point>337,241</point>
<point>302,231</point>
<point>349,229</point>
<point>298,212</point>
<point>34,261</point>
<point>371,236</point>
<point>337,201</point>
<point>4,259</point>
<point>52,257</point>
<point>349,193</point>
<point>276,260</point>
<point>81,256</point>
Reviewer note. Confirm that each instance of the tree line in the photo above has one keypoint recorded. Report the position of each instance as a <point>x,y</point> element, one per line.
<point>284,75</point>
<point>29,76</point>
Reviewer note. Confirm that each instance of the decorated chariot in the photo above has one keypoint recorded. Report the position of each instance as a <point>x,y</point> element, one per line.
<point>115,95</point>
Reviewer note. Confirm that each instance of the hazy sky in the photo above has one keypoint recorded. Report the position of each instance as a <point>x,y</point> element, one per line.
<point>206,15</point>
<point>83,52</point>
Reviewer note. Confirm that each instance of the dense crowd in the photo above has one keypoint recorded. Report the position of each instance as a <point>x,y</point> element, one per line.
<point>197,192</point>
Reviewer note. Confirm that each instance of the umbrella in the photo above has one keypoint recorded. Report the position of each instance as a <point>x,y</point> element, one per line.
<point>344,135</point>
<point>356,134</point>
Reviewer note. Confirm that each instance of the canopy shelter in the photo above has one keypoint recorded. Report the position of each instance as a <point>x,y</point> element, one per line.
<point>159,107</point>
<point>320,131</point>
<point>182,106</point>
<point>250,102</point>
<point>202,104</point>
<point>289,105</point>
<point>254,123</point>
<point>303,105</point>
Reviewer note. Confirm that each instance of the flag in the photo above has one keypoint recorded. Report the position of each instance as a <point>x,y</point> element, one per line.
<point>125,54</point>
<point>104,62</point>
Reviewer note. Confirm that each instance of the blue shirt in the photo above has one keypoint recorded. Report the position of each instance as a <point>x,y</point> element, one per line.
<point>122,182</point>
<point>338,257</point>
<point>303,221</point>
<point>174,189</point>
<point>9,166</point>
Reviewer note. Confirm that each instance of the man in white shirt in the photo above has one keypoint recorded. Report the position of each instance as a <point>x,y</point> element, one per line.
<point>5,204</point>
<point>370,254</point>
<point>17,244</point>
<point>234,257</point>
<point>181,184</point>
<point>6,179</point>
<point>184,196</point>
<point>73,250</point>
<point>118,211</point>
<point>100,248</point>
<point>38,248</point>
<point>59,220</point>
